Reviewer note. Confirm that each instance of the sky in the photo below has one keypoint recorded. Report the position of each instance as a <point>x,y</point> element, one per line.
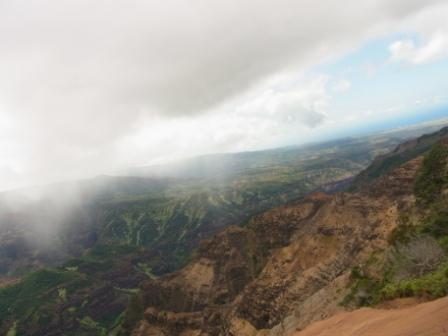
<point>88,88</point>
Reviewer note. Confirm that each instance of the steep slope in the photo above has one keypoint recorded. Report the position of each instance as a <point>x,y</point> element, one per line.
<point>284,269</point>
<point>290,266</point>
<point>421,320</point>
<point>402,153</point>
<point>306,261</point>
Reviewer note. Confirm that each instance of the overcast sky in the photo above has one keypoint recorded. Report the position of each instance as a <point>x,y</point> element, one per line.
<point>90,87</point>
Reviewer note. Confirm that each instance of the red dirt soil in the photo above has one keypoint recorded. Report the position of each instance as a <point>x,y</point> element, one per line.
<point>426,319</point>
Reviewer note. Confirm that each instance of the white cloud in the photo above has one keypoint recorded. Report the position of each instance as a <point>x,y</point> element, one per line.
<point>302,103</point>
<point>431,44</point>
<point>432,50</point>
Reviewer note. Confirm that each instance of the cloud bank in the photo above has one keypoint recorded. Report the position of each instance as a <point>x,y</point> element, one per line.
<point>92,86</point>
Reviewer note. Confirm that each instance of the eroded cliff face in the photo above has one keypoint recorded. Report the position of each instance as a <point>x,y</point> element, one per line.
<point>287,268</point>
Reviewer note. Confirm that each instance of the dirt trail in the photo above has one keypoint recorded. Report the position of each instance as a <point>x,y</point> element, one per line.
<point>426,319</point>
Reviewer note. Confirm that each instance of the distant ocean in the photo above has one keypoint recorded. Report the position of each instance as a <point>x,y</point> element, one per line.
<point>416,117</point>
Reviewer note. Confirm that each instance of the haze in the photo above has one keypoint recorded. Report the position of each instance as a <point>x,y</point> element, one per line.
<point>96,87</point>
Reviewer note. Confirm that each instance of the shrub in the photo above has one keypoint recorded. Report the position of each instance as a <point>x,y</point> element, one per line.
<point>437,225</point>
<point>443,242</point>
<point>432,285</point>
<point>364,290</point>
<point>402,234</point>
<point>433,176</point>
<point>421,255</point>
<point>134,312</point>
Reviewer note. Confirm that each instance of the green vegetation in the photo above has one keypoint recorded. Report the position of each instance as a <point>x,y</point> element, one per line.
<point>406,230</point>
<point>364,291</point>
<point>433,177</point>
<point>418,268</point>
<point>437,224</point>
<point>134,312</point>
<point>36,289</point>
<point>431,285</point>
<point>82,297</point>
<point>13,330</point>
